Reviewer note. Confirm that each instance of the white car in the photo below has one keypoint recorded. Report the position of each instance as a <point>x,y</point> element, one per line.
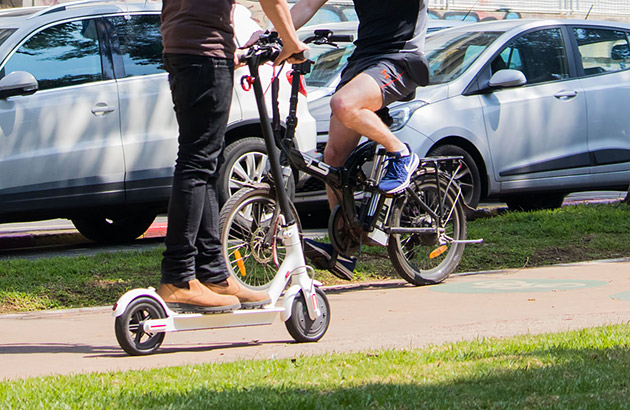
<point>87,127</point>
<point>537,108</point>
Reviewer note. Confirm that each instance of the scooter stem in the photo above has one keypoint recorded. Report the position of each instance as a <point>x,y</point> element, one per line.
<point>272,150</point>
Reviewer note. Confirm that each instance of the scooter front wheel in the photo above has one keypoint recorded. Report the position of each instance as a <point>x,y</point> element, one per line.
<point>129,327</point>
<point>300,326</point>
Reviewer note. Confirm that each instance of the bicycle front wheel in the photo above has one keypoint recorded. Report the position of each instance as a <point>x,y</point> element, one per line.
<point>431,256</point>
<point>249,225</point>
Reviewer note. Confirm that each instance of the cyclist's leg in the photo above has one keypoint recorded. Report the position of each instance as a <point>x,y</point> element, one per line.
<point>354,106</point>
<point>341,141</point>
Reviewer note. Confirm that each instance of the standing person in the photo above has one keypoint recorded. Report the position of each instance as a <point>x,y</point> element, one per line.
<point>199,49</point>
<point>387,65</point>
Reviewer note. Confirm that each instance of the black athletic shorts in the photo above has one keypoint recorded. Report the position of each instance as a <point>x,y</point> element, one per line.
<point>391,76</point>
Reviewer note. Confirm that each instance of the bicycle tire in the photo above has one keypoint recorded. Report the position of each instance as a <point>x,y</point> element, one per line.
<point>248,231</point>
<point>411,254</point>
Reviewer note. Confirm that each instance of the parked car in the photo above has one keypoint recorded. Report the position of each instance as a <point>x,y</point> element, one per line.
<point>333,11</point>
<point>87,127</point>
<point>535,107</point>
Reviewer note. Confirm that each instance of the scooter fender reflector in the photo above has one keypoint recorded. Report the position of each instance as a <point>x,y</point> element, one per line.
<point>316,305</point>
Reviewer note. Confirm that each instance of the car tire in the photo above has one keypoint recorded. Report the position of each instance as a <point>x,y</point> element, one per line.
<point>468,178</point>
<point>119,229</point>
<point>534,202</point>
<point>245,163</point>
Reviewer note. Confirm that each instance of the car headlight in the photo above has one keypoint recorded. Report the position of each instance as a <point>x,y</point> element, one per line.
<point>401,114</point>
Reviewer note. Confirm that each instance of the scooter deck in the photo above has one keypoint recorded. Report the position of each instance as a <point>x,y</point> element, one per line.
<point>196,321</point>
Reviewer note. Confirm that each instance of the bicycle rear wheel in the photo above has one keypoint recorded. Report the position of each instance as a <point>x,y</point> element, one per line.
<point>249,225</point>
<point>427,258</point>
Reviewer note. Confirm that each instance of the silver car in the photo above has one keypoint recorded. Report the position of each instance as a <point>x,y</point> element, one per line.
<point>87,126</point>
<point>537,108</point>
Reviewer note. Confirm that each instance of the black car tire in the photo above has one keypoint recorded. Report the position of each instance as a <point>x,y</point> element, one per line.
<point>534,201</point>
<point>120,228</point>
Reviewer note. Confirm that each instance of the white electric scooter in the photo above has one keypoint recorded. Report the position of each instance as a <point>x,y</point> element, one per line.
<point>143,318</point>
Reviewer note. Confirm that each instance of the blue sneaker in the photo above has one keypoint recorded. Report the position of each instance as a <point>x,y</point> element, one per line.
<point>320,254</point>
<point>324,256</point>
<point>399,171</point>
<point>343,267</point>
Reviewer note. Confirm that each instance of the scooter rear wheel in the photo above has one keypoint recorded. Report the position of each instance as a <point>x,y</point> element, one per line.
<point>300,326</point>
<point>129,327</point>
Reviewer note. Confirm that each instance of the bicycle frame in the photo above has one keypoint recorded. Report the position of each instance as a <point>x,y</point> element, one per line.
<point>340,179</point>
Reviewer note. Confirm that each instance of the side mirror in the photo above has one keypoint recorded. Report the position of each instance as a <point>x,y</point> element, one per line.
<point>17,83</point>
<point>507,79</point>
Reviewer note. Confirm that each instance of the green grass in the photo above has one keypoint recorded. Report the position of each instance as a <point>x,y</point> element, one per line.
<point>512,240</point>
<point>569,234</point>
<point>573,370</point>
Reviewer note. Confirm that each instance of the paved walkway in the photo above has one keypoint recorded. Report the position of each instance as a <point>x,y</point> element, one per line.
<point>384,315</point>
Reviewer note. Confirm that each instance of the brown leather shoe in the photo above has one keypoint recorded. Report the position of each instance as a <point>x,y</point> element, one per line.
<point>197,298</point>
<point>250,299</point>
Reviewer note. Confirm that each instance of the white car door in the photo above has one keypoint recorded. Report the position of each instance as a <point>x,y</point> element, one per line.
<point>605,57</point>
<point>148,122</point>
<point>63,142</point>
<point>537,131</point>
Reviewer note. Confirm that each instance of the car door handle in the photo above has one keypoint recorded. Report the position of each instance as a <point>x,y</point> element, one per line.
<point>565,95</point>
<point>100,109</point>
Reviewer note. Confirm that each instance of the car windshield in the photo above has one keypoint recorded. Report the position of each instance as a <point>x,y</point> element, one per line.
<point>5,33</point>
<point>328,63</point>
<point>451,52</point>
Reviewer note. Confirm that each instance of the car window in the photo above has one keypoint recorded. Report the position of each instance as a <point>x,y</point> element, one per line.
<point>328,63</point>
<point>540,55</point>
<point>602,50</point>
<point>350,14</point>
<point>451,52</point>
<point>59,56</point>
<point>324,16</point>
<point>139,43</point>
<point>5,33</point>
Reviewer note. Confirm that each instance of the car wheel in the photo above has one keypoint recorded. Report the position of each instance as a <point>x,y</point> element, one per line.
<point>533,202</point>
<point>468,177</point>
<point>245,164</point>
<point>120,228</point>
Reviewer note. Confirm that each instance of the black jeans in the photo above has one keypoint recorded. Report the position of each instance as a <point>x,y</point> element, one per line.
<point>201,88</point>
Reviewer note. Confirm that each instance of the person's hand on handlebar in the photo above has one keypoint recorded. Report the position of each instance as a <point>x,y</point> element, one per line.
<point>293,56</point>
<point>292,52</point>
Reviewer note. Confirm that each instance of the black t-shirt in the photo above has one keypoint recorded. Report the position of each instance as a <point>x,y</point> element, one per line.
<point>393,30</point>
<point>390,26</point>
<point>198,27</point>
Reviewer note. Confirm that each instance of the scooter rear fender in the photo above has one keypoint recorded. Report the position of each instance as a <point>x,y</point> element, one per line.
<point>121,305</point>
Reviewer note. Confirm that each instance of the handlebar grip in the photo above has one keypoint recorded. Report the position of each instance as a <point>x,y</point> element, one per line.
<point>303,55</point>
<point>341,38</point>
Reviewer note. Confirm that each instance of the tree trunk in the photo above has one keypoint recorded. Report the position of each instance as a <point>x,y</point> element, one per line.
<point>627,199</point>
